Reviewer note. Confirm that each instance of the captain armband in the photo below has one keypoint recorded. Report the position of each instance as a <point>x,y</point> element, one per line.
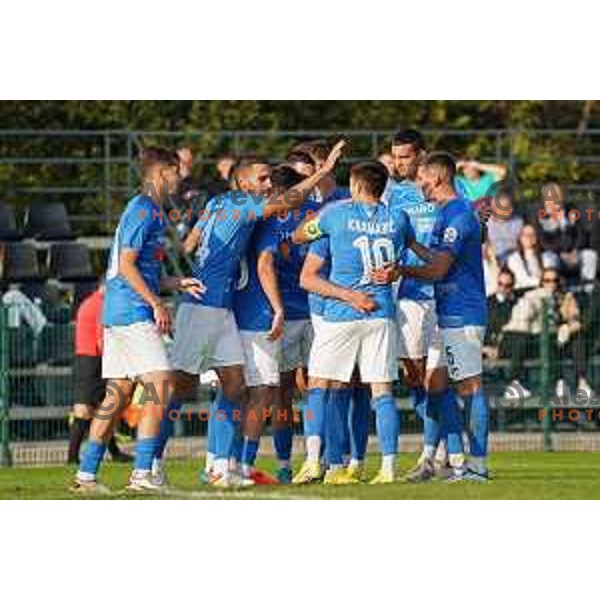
<point>312,231</point>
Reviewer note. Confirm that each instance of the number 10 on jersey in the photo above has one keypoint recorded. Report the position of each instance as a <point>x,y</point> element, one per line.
<point>374,254</point>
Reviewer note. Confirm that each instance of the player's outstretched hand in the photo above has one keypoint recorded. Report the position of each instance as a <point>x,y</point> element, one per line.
<point>162,318</point>
<point>334,155</point>
<point>276,327</point>
<point>192,286</point>
<point>362,302</point>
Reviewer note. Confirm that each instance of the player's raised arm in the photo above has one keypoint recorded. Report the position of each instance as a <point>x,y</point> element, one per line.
<point>311,281</point>
<point>295,196</point>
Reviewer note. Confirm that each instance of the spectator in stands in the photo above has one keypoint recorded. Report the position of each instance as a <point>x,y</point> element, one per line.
<point>387,160</point>
<point>221,183</point>
<point>526,262</point>
<point>564,238</point>
<point>478,178</point>
<point>500,306</point>
<point>491,269</point>
<point>90,388</point>
<point>503,225</point>
<point>521,338</point>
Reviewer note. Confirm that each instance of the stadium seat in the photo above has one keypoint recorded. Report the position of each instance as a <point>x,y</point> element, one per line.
<point>70,262</point>
<point>56,344</point>
<point>8,223</point>
<point>20,262</point>
<point>20,347</point>
<point>55,389</point>
<point>48,222</point>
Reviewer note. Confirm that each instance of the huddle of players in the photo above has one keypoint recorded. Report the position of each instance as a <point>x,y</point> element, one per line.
<point>284,275</point>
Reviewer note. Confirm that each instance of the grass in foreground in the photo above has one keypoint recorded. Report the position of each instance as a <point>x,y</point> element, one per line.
<point>517,475</point>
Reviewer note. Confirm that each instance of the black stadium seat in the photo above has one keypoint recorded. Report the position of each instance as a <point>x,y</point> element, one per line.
<point>70,262</point>
<point>8,223</point>
<point>20,262</point>
<point>47,222</point>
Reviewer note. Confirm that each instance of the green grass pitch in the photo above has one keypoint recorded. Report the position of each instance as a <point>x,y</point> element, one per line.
<point>517,475</point>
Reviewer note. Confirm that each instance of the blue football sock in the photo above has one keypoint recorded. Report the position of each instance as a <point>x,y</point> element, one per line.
<point>225,427</point>
<point>238,446</point>
<point>167,426</point>
<point>387,421</point>
<point>432,422</point>
<point>314,412</point>
<point>479,424</point>
<point>249,451</point>
<point>283,440</point>
<point>336,428</point>
<point>359,422</point>
<point>452,422</point>
<point>145,451</point>
<point>92,457</point>
<point>417,399</point>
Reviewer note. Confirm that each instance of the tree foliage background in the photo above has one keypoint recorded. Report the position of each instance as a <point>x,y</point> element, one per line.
<point>532,157</point>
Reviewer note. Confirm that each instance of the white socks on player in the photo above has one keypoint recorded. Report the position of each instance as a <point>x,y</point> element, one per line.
<point>387,464</point>
<point>220,466</point>
<point>478,464</point>
<point>210,459</point>
<point>313,448</point>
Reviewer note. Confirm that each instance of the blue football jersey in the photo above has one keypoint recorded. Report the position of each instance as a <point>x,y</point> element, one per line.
<point>460,296</point>
<point>143,228</point>
<point>227,225</point>
<point>290,259</point>
<point>320,248</point>
<point>362,237</point>
<point>252,309</point>
<point>422,214</point>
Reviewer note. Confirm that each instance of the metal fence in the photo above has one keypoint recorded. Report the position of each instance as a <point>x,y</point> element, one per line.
<point>93,171</point>
<point>37,395</point>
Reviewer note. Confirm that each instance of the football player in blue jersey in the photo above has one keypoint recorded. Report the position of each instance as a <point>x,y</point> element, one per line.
<point>358,327</point>
<point>297,330</point>
<point>206,334</point>
<point>135,319</point>
<point>419,343</point>
<point>259,314</point>
<point>454,263</point>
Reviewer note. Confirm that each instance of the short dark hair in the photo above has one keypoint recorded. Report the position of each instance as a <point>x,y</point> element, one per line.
<point>372,175</point>
<point>299,156</point>
<point>157,155</point>
<point>506,271</point>
<point>242,163</point>
<point>283,177</point>
<point>443,162</point>
<point>409,136</point>
<point>317,149</point>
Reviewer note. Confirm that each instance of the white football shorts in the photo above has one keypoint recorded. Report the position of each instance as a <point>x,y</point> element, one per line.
<point>418,333</point>
<point>205,338</point>
<point>262,358</point>
<point>463,346</point>
<point>340,346</point>
<point>131,351</point>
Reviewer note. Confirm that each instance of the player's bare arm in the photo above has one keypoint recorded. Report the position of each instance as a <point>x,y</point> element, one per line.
<point>128,270</point>
<point>191,285</point>
<point>295,196</point>
<point>311,281</point>
<point>437,263</point>
<point>268,280</point>
<point>436,267</point>
<point>192,240</point>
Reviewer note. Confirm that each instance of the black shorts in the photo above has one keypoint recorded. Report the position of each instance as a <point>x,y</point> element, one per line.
<point>89,385</point>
